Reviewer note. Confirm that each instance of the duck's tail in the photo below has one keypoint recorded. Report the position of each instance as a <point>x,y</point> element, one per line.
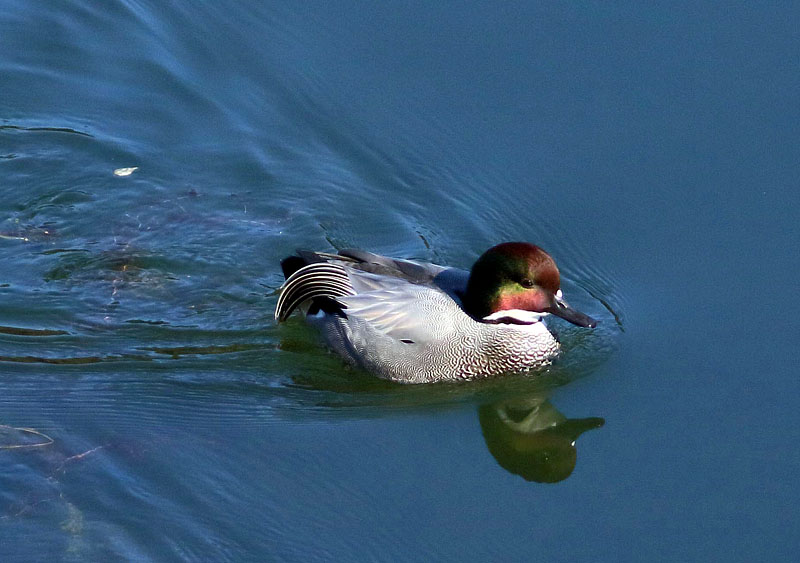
<point>319,281</point>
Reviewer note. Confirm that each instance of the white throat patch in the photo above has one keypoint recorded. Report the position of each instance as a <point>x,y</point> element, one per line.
<point>519,315</point>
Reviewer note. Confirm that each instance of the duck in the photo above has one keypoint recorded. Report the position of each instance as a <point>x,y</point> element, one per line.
<point>415,322</point>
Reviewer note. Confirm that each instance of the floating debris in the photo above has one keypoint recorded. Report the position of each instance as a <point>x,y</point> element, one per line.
<point>125,171</point>
<point>24,438</point>
<point>18,331</point>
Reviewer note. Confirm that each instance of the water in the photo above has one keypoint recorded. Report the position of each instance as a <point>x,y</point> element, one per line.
<point>651,150</point>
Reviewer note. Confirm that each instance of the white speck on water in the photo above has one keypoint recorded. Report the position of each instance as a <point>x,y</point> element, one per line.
<point>125,171</point>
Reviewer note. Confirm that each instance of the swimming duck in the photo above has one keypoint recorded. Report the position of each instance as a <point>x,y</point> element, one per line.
<point>414,322</point>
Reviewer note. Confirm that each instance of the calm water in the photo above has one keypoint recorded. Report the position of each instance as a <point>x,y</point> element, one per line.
<point>653,151</point>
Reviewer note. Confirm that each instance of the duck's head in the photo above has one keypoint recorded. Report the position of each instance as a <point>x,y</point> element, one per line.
<point>517,282</point>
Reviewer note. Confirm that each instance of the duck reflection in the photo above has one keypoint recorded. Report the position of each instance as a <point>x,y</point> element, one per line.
<point>529,437</point>
<point>523,431</point>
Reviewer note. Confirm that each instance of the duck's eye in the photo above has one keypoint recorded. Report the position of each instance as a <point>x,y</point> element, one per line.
<point>526,283</point>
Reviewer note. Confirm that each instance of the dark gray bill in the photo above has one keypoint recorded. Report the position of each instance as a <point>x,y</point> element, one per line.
<point>561,309</point>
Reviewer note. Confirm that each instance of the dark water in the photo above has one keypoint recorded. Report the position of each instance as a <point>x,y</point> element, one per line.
<point>652,150</point>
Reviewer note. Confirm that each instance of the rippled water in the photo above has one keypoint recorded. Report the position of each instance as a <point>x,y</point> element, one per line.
<point>150,408</point>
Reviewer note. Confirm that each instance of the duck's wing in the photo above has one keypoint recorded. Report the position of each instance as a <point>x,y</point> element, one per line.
<point>406,312</point>
<point>452,281</point>
<point>409,270</point>
<point>393,305</point>
<point>324,279</point>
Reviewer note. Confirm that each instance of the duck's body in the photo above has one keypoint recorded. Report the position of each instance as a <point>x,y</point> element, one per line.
<point>418,323</point>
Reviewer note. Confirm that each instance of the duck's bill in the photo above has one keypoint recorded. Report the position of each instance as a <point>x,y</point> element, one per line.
<point>561,309</point>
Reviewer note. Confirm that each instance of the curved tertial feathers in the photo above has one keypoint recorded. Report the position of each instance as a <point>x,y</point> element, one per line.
<point>314,281</point>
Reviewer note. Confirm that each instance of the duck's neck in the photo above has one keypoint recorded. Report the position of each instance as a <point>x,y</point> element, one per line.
<point>481,297</point>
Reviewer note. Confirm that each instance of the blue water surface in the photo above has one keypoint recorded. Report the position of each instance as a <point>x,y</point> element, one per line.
<point>152,410</point>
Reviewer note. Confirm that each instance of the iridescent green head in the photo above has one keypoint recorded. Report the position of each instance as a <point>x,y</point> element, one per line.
<point>513,277</point>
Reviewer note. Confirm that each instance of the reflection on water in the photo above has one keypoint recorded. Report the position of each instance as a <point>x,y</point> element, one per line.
<point>529,437</point>
<point>523,431</point>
